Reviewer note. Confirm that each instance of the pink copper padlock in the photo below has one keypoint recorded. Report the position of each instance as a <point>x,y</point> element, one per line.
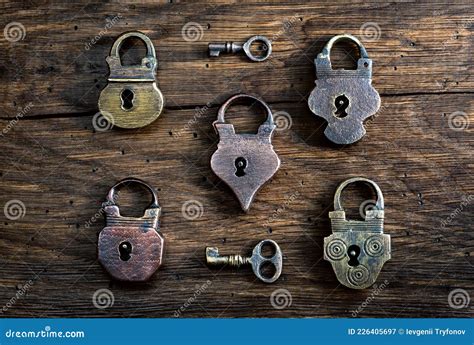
<point>130,248</point>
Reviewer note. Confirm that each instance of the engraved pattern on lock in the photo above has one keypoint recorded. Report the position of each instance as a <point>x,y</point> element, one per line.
<point>139,237</point>
<point>254,151</point>
<point>131,98</point>
<point>357,250</point>
<point>351,89</point>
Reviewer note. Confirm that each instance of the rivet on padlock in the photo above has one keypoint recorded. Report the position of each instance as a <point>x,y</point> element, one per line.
<point>244,161</point>
<point>357,250</point>
<point>131,98</point>
<point>129,248</point>
<point>344,98</point>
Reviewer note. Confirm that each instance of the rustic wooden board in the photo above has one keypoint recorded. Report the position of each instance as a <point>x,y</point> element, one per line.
<point>61,168</point>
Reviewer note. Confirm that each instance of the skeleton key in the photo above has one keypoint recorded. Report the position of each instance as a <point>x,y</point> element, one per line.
<point>257,260</point>
<point>230,47</point>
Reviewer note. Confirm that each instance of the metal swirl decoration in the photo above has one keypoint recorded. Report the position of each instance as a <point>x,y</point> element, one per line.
<point>336,249</point>
<point>358,275</point>
<point>374,246</point>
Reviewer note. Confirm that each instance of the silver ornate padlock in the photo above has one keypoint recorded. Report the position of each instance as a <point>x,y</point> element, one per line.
<point>131,98</point>
<point>244,161</point>
<point>357,250</point>
<point>344,98</point>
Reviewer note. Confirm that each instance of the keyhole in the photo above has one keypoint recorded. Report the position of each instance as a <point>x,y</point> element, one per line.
<point>240,165</point>
<point>341,102</point>
<point>353,252</point>
<point>125,248</point>
<point>127,96</point>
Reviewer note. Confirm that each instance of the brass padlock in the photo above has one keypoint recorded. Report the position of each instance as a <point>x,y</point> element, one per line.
<point>244,161</point>
<point>357,250</point>
<point>131,98</point>
<point>129,248</point>
<point>344,98</point>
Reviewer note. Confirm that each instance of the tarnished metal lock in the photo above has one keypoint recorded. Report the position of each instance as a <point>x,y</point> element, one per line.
<point>131,98</point>
<point>131,249</point>
<point>344,98</point>
<point>357,250</point>
<point>244,161</point>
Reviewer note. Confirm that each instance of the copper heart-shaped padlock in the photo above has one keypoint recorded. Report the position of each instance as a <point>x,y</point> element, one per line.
<point>244,161</point>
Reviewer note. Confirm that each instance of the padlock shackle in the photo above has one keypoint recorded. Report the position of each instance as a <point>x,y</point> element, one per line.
<point>337,196</point>
<point>326,52</point>
<point>223,108</point>
<point>112,192</point>
<point>150,49</point>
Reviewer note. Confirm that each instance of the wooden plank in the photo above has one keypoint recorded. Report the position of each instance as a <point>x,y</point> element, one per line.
<point>60,65</point>
<point>61,169</point>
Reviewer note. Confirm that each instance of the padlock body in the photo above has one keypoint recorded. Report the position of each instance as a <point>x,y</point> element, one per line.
<point>146,253</point>
<point>262,163</point>
<point>146,103</point>
<point>356,86</point>
<point>373,251</point>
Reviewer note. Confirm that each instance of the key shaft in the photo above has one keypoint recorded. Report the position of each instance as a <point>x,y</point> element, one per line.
<point>228,47</point>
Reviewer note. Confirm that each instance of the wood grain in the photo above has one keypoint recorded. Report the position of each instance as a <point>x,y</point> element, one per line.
<point>61,168</point>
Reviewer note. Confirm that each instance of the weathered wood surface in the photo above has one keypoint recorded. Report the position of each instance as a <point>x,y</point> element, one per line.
<point>61,168</point>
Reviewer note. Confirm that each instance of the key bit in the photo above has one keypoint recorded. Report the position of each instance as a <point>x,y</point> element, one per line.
<point>257,260</point>
<point>230,48</point>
